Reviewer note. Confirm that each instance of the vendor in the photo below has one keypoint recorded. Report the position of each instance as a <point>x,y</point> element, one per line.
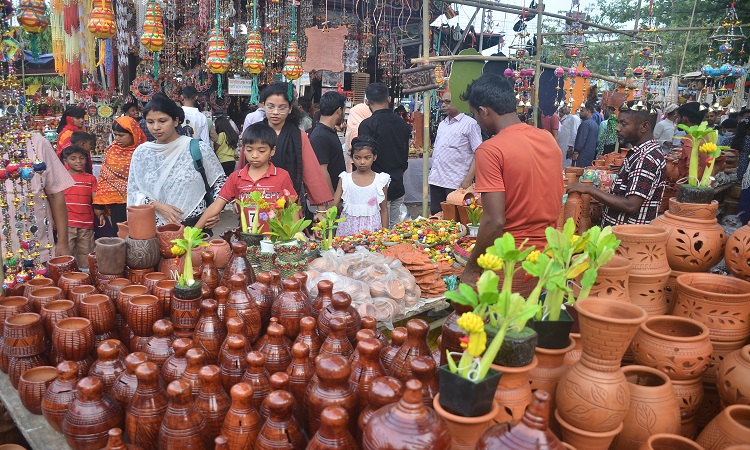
<point>637,190</point>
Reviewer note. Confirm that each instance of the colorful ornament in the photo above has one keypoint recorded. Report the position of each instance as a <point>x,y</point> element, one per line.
<point>559,72</point>
<point>102,20</point>
<point>638,72</point>
<point>153,28</point>
<point>254,53</point>
<point>33,21</point>
<point>292,64</point>
<point>508,73</point>
<point>439,75</point>
<point>586,73</point>
<point>218,56</point>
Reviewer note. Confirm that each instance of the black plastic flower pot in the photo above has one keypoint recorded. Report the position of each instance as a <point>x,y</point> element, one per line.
<point>694,194</point>
<point>553,334</point>
<point>517,349</point>
<point>187,292</point>
<point>252,239</point>
<point>464,397</point>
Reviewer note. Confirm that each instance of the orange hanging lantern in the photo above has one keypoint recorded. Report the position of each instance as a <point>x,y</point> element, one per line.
<point>31,16</point>
<point>292,64</point>
<point>254,54</point>
<point>218,56</point>
<point>102,20</point>
<point>153,28</point>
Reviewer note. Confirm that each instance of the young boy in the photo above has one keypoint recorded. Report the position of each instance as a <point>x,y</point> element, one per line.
<point>259,145</point>
<point>86,141</point>
<point>79,199</point>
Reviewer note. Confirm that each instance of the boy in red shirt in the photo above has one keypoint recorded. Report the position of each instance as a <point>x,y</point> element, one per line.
<point>259,174</point>
<point>79,199</point>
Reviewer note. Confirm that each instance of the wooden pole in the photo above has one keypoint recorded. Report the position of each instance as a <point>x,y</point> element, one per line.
<point>658,30</point>
<point>426,108</point>
<point>538,71</point>
<point>687,37</point>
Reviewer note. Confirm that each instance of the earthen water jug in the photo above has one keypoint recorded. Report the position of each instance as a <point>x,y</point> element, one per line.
<point>333,389</point>
<point>90,416</point>
<point>184,425</point>
<point>212,400</point>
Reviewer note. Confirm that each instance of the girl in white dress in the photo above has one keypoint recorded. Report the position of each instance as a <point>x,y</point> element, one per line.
<point>363,192</point>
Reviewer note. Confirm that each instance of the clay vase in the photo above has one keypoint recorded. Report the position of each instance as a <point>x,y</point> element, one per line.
<point>650,292</point>
<point>163,290</point>
<point>165,234</point>
<point>721,303</point>
<point>151,279</point>
<point>209,273</point>
<point>652,407</point>
<point>159,346</point>
<point>333,433</point>
<point>78,293</point>
<point>451,333</point>
<point>663,441</point>
<point>733,378</point>
<point>578,438</point>
<point>125,295</point>
<point>256,376</point>
<point>593,394</point>
<point>383,391</point>
<point>184,425</point>
<point>115,441</point>
<point>196,358</point>
<point>63,264</point>
<point>308,335</point>
<point>341,307</point>
<point>323,300</point>
<point>222,252</point>
<point>424,369</point>
<point>290,307</point>
<point>573,208</point>
<point>279,381</point>
<point>141,254</point>
<point>415,345</point>
<point>10,306</point>
<point>36,283</point>
<point>736,252</point>
<point>406,424</point>
<point>55,311</point>
<point>276,353</point>
<point>212,400</point>
<point>173,367</point>
<point>238,265</point>
<point>126,383</point>
<point>276,281</point>
<point>235,326</point>
<point>300,372</point>
<point>371,323</point>
<point>242,423</point>
<point>90,416</point>
<point>113,287</point>
<point>110,255</point>
<point>73,338</point>
<point>146,410</point>
<point>23,335</point>
<point>645,246</point>
<point>108,366</point>
<point>142,221</point>
<point>143,311</point>
<point>366,368</point>
<point>612,280</point>
<point>232,360</point>
<point>513,392</point>
<point>210,331</point>
<point>100,310</point>
<point>32,386</point>
<point>696,240</point>
<point>398,338</point>
<point>60,394</point>
<point>281,430</point>
<point>20,364</point>
<point>333,389</point>
<point>266,297</point>
<point>730,427</point>
<point>241,306</point>
<point>337,343</point>
<point>185,308</point>
<point>549,369</point>
<point>40,297</point>
<point>689,395</point>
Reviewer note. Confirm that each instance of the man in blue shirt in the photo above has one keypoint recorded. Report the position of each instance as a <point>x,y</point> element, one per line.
<point>584,149</point>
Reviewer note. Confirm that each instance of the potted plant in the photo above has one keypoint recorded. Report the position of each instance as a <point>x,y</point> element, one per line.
<point>326,226</point>
<point>256,205</point>
<point>474,211</point>
<point>187,287</point>
<point>703,140</point>
<point>284,223</point>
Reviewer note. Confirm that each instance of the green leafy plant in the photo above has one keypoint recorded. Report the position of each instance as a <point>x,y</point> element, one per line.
<point>286,221</point>
<point>703,140</point>
<point>474,211</point>
<point>192,238</point>
<point>326,226</point>
<point>258,204</point>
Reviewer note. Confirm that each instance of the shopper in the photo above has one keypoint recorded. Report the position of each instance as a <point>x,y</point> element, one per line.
<point>566,137</point>
<point>357,114</point>
<point>584,148</point>
<point>664,131</point>
<point>72,120</point>
<point>193,117</point>
<point>226,143</point>
<point>325,140</point>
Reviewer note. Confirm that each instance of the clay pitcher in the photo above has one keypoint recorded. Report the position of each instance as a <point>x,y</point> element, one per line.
<point>242,422</point>
<point>126,383</point>
<point>341,307</point>
<point>290,307</point>
<point>210,331</point>
<point>238,265</point>
<point>147,408</point>
<point>173,367</point>
<point>90,416</point>
<point>184,425</point>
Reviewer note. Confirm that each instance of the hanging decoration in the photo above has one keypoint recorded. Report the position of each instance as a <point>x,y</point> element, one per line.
<point>439,75</point>
<point>153,32</point>
<point>72,44</point>
<point>31,18</point>
<point>218,56</point>
<point>727,50</point>
<point>102,20</point>
<point>58,36</point>
<point>254,62</point>
<point>292,65</point>
<point>122,40</point>
<point>324,49</point>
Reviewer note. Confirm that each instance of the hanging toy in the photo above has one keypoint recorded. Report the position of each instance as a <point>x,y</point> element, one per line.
<point>439,75</point>
<point>153,28</point>
<point>218,56</point>
<point>254,54</point>
<point>102,20</point>
<point>33,21</point>
<point>292,69</point>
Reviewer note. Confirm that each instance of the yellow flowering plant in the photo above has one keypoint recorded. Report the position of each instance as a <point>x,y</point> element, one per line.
<point>259,205</point>
<point>474,211</point>
<point>191,238</point>
<point>703,139</point>
<point>286,221</point>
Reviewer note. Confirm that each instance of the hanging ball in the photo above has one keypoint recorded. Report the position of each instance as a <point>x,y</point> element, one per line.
<point>725,48</point>
<point>726,69</point>
<point>586,73</point>
<point>572,72</point>
<point>638,72</point>
<point>646,52</point>
<point>706,70</point>
<point>629,72</point>
<point>647,74</point>
<point>659,75</point>
<point>559,72</point>
<point>738,71</point>
<point>508,73</point>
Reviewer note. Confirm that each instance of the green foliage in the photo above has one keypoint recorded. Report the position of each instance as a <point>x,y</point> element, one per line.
<point>192,238</point>
<point>286,224</point>
<point>326,227</point>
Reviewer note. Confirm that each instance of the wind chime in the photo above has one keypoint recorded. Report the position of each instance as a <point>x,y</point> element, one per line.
<point>218,56</point>
<point>728,37</point>
<point>274,32</point>
<point>31,18</point>
<point>649,54</point>
<point>254,62</point>
<point>574,48</point>
<point>292,69</point>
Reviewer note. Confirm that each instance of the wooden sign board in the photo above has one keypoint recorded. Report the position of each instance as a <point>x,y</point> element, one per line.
<point>418,79</point>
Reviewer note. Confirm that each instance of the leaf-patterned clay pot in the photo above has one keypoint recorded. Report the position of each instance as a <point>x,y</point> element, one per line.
<point>645,246</point>
<point>612,280</point>
<point>578,438</point>
<point>730,427</point>
<point>693,245</point>
<point>513,392</point>
<point>549,369</point>
<point>733,378</point>
<point>720,351</point>
<point>689,396</point>
<point>737,252</point>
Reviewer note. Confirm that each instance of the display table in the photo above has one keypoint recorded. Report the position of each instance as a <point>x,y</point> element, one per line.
<point>413,180</point>
<point>38,433</point>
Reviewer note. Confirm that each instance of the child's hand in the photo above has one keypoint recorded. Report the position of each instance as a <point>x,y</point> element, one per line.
<point>212,221</point>
<point>102,218</point>
<point>318,217</point>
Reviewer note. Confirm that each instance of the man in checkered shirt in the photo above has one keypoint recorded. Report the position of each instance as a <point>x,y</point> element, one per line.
<point>636,192</point>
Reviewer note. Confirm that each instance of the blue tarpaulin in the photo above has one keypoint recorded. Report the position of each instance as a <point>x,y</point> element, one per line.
<point>40,61</point>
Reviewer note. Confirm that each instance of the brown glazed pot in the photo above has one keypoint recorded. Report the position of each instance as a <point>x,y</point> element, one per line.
<point>173,367</point>
<point>242,423</point>
<point>138,276</point>
<point>730,427</point>
<point>256,376</point>
<point>333,432</point>
<point>238,264</point>
<point>110,255</point>
<point>100,310</point>
<point>323,300</point>
<point>151,279</point>
<point>465,431</point>
<point>60,265</point>
<point>209,274</point>
<point>549,369</point>
<point>165,234</point>
<point>108,365</point>
<point>265,298</point>
<point>60,394</point>
<point>185,308</point>
<point>222,252</point>
<point>722,303</point>
<point>398,337</point>
<point>243,307</point>
<point>73,338</point>
<point>163,290</point>
<point>91,415</point>
<point>663,441</point>
<point>142,221</point>
<point>677,346</point>
<point>290,307</point>
<point>280,430</point>
<point>694,245</point>
<point>141,254</point>
<point>406,424</point>
<point>513,392</point>
<point>212,400</point>
<point>276,352</point>
<point>196,358</point>
<point>127,382</point>
<point>19,365</point>
<point>113,287</point>
<point>55,311</point>
<point>332,389</point>
<point>308,335</point>
<point>593,394</point>
<point>366,368</point>
<point>645,246</point>
<point>383,391</point>
<point>341,307</point>
<point>415,345</point>
<point>23,335</point>
<point>233,359</point>
<point>301,371</point>
<point>32,386</point>
<point>737,251</point>
<point>184,425</point>
<point>652,407</point>
<point>36,283</point>
<point>115,441</point>
<point>78,293</point>
<point>146,410</point>
<point>337,343</point>
<point>142,312</point>
<point>210,331</point>
<point>40,297</point>
<point>102,280</point>
<point>733,378</point>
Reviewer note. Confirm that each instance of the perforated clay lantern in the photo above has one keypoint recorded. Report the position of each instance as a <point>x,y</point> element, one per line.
<point>292,64</point>
<point>31,16</point>
<point>218,56</point>
<point>102,20</point>
<point>153,28</point>
<point>254,54</point>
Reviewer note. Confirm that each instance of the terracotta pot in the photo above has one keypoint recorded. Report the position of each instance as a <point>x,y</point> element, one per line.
<point>163,290</point>
<point>549,369</point>
<point>36,283</point>
<point>142,254</point>
<point>81,292</point>
<point>152,279</point>
<point>142,221</point>
<point>165,234</point>
<point>242,423</point>
<point>689,395</point>
<point>93,266</point>
<point>677,346</point>
<point>196,359</point>
<point>720,351</point>
<point>700,211</point>
<point>183,424</point>
<point>290,307</point>
<point>582,439</point>
<point>60,265</point>
<point>159,346</point>
<point>709,408</point>
<point>10,306</point>
<point>185,308</point>
<point>612,280</point>
<point>645,246</point>
<point>593,395</point>
<point>100,310</point>
<point>241,306</point>
<point>276,350</point>
<point>20,364</point>
<point>652,407</point>
<point>111,254</point>
<point>663,441</point>
<point>733,377</point>
<point>238,264</point>
<point>333,389</point>
<point>694,245</point>
<point>146,410</point>
<point>309,336</point>
<point>222,252</point>
<point>91,415</point>
<point>143,311</point>
<point>123,230</point>
<point>398,337</point>
<point>55,311</point>
<point>573,207</point>
<point>170,266</point>
<point>513,393</point>
<point>341,307</point>
<point>23,335</point>
<point>32,386</point>
<point>60,394</point>
<point>115,441</point>
<point>73,338</point>
<point>44,295</point>
<point>137,276</point>
<point>280,429</point>
<point>113,287</point>
<point>465,431</point>
<point>671,289</point>
<point>730,427</point>
<point>127,294</point>
<point>736,252</point>
<point>70,280</point>
<point>173,367</point>
<point>721,303</point>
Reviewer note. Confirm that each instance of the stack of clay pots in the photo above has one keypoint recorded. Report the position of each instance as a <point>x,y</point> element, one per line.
<point>110,259</point>
<point>142,246</point>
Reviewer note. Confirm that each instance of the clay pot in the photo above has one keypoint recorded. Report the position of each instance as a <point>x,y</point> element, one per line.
<point>736,252</point>
<point>383,391</point>
<point>671,289</point>
<point>612,280</point>
<point>366,367</point>
<point>60,394</point>
<point>127,382</point>
<point>593,394</point>
<point>115,441</point>
<point>238,264</point>
<point>100,310</point>
<point>583,439</point>
<point>151,279</point>
<point>142,221</point>
<point>185,308</point>
<point>280,430</point>
<point>308,335</point>
<point>256,376</point>
<point>184,425</point>
<point>652,407</point>
<point>108,366</point>
<point>730,427</point>
<point>23,335</point>
<point>113,287</point>
<point>677,346</point>
<point>213,402</point>
<point>340,307</point>
<point>645,246</point>
<point>20,364</point>
<point>60,265</point>
<point>111,254</point>
<point>242,422</point>
<point>165,234</point>
<point>694,244</point>
<point>513,392</point>
<point>266,297</point>
<point>663,441</point>
<point>32,386</point>
<point>276,352</point>
<point>689,395</point>
<point>138,276</point>
<point>323,300</point>
<point>337,343</point>
<point>91,415</point>
<point>720,351</point>
<point>36,283</point>
<point>123,230</point>
<point>333,432</point>
<point>196,358</point>
<point>209,274</point>
<point>301,371</point>
<point>573,207</point>
<point>333,389</point>
<point>55,311</point>
<point>709,408</point>
<point>649,292</point>
<point>163,290</point>
<point>73,338</point>
<point>142,254</point>
<point>143,311</point>
<point>733,377</point>
<point>210,331</point>
<point>415,345</point>
<point>398,337</point>
<point>170,266</point>
<point>406,424</point>
<point>80,292</point>
<point>549,369</point>
<point>290,307</point>
<point>10,306</point>
<point>721,303</point>
<point>222,252</point>
<point>175,364</point>
<point>241,306</point>
<point>44,295</point>
<point>465,431</point>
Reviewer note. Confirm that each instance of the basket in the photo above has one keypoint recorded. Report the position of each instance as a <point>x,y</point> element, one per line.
<point>461,254</point>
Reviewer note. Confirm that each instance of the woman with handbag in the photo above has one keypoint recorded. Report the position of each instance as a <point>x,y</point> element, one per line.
<point>180,176</point>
